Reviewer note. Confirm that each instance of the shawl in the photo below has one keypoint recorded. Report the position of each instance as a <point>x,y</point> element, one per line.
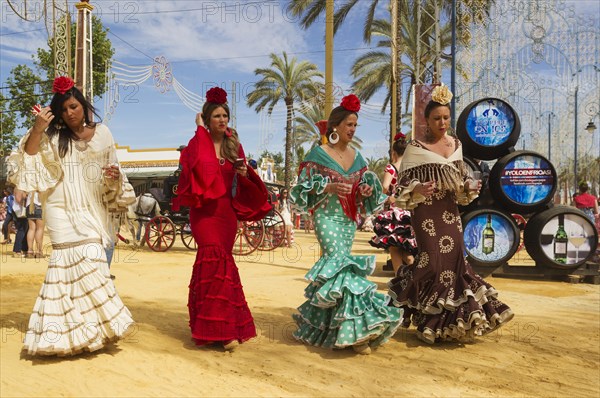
<point>201,181</point>
<point>424,165</point>
<point>319,162</point>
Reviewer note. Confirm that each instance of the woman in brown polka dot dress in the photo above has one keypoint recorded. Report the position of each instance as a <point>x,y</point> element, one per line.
<point>440,293</point>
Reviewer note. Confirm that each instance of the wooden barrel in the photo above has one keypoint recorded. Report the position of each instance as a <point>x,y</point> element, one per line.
<point>491,237</point>
<point>523,182</point>
<point>488,128</point>
<point>561,237</point>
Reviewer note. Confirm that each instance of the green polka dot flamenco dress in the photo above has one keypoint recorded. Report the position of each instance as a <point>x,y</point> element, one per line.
<point>343,308</point>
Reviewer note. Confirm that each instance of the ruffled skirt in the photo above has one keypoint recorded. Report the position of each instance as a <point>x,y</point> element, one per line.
<point>462,310</point>
<point>393,229</point>
<point>440,293</point>
<point>217,305</point>
<point>78,308</point>
<point>343,308</point>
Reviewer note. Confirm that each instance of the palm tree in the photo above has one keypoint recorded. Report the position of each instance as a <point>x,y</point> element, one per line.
<point>373,69</point>
<point>306,129</point>
<point>288,81</point>
<point>377,165</point>
<point>311,10</point>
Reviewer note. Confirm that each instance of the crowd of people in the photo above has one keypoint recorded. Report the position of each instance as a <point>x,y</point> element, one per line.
<point>413,212</point>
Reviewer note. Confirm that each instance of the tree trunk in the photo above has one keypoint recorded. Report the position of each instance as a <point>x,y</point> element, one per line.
<point>289,103</point>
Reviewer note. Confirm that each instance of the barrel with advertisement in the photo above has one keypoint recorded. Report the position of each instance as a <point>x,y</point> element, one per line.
<point>491,237</point>
<point>561,237</point>
<point>523,182</point>
<point>488,128</point>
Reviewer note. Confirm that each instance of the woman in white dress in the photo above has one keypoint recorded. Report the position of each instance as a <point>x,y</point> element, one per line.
<point>72,163</point>
<point>286,214</point>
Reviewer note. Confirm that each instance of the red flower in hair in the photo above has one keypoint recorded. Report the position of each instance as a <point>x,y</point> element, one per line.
<point>216,95</point>
<point>351,103</point>
<point>399,136</point>
<point>322,125</point>
<point>62,84</point>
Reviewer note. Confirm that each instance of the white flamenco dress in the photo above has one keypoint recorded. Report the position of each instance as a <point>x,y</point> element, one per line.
<point>78,308</point>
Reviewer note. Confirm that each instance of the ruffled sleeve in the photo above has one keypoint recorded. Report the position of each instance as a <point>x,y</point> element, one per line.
<point>309,192</point>
<point>118,194</point>
<point>374,202</point>
<point>200,179</point>
<point>39,172</point>
<point>406,198</point>
<point>465,196</point>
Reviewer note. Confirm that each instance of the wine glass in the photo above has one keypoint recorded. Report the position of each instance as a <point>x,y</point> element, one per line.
<point>577,239</point>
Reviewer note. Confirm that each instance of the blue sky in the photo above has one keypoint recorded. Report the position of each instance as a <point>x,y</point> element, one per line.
<point>210,43</point>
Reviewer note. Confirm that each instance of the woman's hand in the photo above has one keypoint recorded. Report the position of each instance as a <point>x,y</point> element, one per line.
<point>19,195</point>
<point>339,188</point>
<point>365,190</point>
<point>425,188</point>
<point>42,120</point>
<point>476,187</point>
<point>242,170</point>
<point>112,172</point>
<point>199,120</point>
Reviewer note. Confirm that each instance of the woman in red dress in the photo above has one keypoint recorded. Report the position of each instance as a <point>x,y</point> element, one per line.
<point>219,189</point>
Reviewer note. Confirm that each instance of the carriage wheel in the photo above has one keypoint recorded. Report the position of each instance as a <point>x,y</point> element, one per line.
<point>187,237</point>
<point>160,234</point>
<point>248,238</point>
<point>274,231</point>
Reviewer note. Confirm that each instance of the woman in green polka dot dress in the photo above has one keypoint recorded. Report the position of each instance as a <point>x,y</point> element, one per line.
<point>343,309</point>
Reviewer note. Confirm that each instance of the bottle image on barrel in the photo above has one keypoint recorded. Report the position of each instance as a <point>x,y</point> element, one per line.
<point>560,241</point>
<point>489,236</point>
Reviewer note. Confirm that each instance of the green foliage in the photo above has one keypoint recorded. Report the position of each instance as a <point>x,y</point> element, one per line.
<point>25,90</point>
<point>377,165</point>
<point>8,126</point>
<point>288,81</point>
<point>28,87</point>
<point>102,55</point>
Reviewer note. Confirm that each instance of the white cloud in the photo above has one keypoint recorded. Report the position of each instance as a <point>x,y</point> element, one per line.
<point>226,37</point>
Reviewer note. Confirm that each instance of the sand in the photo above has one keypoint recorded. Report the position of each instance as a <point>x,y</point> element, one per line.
<point>551,348</point>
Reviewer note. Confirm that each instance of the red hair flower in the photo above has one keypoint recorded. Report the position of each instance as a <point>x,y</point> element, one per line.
<point>322,125</point>
<point>62,84</point>
<point>216,95</point>
<point>399,136</point>
<point>351,103</point>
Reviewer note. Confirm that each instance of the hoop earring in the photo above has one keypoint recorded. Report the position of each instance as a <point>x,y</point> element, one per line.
<point>334,140</point>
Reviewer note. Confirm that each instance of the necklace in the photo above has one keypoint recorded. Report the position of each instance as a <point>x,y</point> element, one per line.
<point>337,152</point>
<point>82,144</point>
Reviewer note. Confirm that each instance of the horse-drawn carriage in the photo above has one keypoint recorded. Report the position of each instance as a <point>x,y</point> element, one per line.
<point>161,225</point>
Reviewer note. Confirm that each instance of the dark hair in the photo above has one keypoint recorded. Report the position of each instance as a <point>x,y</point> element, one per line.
<point>583,186</point>
<point>231,145</point>
<point>431,106</point>
<point>58,126</point>
<point>399,146</point>
<point>337,116</point>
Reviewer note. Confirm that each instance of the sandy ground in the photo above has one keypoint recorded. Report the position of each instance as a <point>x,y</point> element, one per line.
<point>551,348</point>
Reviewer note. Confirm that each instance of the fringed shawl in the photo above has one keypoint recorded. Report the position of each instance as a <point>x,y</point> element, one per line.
<point>425,165</point>
<point>421,165</point>
<point>91,200</point>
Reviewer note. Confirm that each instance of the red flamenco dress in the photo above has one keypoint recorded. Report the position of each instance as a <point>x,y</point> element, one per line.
<point>217,197</point>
